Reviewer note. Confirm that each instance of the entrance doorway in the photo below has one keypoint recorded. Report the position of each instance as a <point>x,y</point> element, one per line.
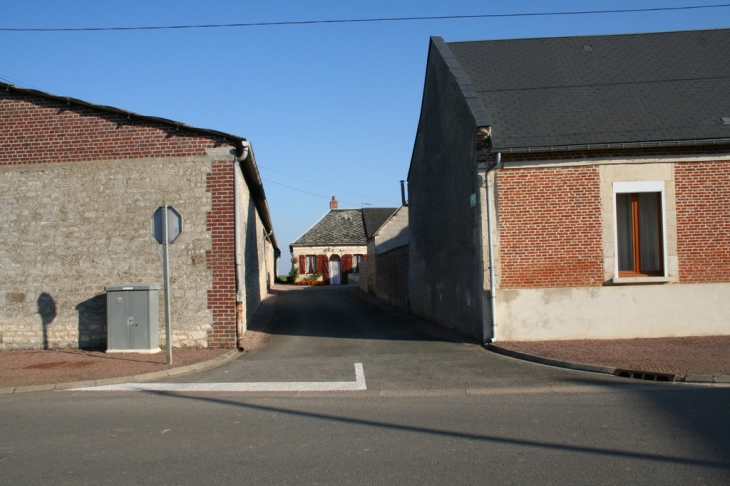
<point>334,270</point>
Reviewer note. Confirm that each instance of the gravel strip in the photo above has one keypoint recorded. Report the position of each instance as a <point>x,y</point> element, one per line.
<point>40,367</point>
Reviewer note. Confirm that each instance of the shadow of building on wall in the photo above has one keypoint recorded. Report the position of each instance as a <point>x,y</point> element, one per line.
<point>92,323</point>
<point>47,310</point>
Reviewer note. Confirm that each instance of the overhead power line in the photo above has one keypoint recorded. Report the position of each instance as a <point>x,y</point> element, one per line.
<point>16,82</point>
<point>350,21</point>
<point>305,192</point>
<point>324,185</point>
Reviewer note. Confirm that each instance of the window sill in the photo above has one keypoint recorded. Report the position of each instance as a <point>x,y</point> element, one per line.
<point>642,280</point>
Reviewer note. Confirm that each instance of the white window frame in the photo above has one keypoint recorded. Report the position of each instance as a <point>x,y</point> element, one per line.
<point>634,187</point>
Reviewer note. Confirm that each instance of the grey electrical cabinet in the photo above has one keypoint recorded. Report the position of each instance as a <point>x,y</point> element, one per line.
<point>133,318</point>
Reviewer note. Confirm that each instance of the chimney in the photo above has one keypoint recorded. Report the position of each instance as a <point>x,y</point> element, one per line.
<point>333,203</point>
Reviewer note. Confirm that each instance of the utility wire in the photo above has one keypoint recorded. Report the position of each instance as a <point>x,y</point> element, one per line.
<point>328,187</point>
<point>15,82</point>
<point>306,192</point>
<point>350,21</point>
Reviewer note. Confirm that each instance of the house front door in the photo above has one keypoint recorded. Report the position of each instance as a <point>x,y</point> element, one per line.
<point>334,273</point>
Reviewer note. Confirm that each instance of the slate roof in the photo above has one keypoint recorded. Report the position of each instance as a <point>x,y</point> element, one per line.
<point>548,92</point>
<point>374,219</point>
<point>345,227</point>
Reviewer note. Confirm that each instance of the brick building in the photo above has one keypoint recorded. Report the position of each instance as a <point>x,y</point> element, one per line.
<point>596,170</point>
<point>78,186</point>
<point>336,246</point>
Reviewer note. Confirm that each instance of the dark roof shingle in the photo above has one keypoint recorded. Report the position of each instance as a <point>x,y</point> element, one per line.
<point>345,227</point>
<point>602,89</point>
<point>374,219</point>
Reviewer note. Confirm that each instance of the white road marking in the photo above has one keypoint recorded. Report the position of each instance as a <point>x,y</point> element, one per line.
<point>357,385</point>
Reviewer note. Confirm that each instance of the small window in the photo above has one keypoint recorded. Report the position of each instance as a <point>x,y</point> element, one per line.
<point>639,235</point>
<point>356,259</point>
<point>310,264</point>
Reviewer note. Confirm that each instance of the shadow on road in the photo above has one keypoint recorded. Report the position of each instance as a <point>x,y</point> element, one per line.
<point>717,435</point>
<point>346,312</point>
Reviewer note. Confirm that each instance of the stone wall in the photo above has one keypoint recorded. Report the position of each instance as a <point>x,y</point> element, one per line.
<point>70,229</point>
<point>328,250</point>
<point>78,187</point>
<point>394,233</point>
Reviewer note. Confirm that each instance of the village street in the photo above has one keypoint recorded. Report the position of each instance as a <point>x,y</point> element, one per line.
<point>434,412</point>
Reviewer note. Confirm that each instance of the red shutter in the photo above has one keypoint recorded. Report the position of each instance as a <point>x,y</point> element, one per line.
<point>301,264</point>
<point>346,264</point>
<point>364,258</point>
<point>346,267</point>
<point>324,262</point>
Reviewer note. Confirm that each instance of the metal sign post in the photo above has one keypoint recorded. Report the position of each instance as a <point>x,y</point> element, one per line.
<point>166,227</point>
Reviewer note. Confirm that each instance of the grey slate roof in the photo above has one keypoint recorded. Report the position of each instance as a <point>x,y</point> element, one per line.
<point>345,227</point>
<point>601,89</point>
<point>374,219</point>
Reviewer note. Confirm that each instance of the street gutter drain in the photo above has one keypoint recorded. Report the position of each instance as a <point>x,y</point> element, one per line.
<point>643,375</point>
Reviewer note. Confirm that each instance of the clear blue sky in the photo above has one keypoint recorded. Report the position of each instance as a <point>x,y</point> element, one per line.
<point>335,104</point>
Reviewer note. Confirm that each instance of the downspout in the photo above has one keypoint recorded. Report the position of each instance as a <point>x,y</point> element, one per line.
<point>240,317</point>
<point>267,237</point>
<point>492,280</point>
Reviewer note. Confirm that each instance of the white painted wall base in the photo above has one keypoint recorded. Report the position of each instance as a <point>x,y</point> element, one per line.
<point>614,312</point>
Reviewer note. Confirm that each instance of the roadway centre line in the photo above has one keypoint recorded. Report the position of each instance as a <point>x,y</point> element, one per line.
<point>313,386</point>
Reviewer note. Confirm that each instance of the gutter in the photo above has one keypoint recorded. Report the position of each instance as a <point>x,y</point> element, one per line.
<point>614,146</point>
<point>252,177</point>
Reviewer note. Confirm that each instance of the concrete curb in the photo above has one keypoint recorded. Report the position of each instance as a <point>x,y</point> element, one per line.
<point>725,379</point>
<point>689,378</point>
<point>550,362</point>
<point>154,375</point>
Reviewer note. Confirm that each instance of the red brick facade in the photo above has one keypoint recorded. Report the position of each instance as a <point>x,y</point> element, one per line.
<point>550,227</point>
<point>703,221</point>
<point>35,129</point>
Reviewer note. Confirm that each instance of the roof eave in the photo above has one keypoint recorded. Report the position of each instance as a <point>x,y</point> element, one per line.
<point>235,140</point>
<point>612,146</point>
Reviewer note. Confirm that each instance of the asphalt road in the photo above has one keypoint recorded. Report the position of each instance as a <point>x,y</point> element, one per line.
<point>435,412</point>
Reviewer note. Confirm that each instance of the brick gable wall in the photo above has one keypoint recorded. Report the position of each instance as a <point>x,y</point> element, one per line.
<point>39,130</point>
<point>550,227</point>
<point>703,221</point>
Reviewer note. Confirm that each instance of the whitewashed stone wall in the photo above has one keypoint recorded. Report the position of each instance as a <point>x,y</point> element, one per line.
<point>328,250</point>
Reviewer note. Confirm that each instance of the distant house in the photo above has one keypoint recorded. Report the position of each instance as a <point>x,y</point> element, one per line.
<point>79,184</point>
<point>336,245</point>
<point>574,187</point>
<point>387,264</point>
